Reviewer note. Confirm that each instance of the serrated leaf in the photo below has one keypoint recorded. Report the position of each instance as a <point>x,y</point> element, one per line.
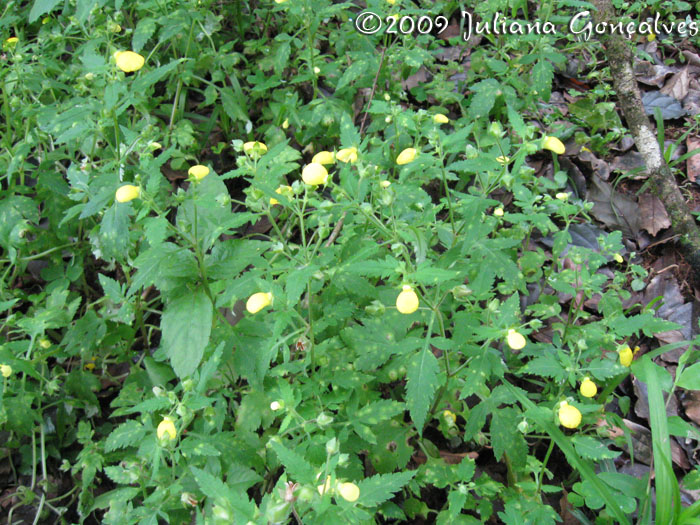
<point>186,325</point>
<point>144,30</point>
<point>545,366</point>
<point>379,411</point>
<point>111,288</point>
<point>297,467</point>
<point>422,382</point>
<point>380,488</point>
<point>212,487</point>
<point>541,76</point>
<point>125,435</point>
<point>352,73</point>
<point>41,7</point>
<point>505,437</point>
<point>118,475</point>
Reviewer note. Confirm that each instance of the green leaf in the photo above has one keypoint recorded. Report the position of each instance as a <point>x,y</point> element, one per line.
<point>422,382</point>
<point>297,467</point>
<point>125,435</point>
<point>379,411</point>
<point>592,448</point>
<point>379,488</point>
<point>212,487</point>
<point>186,326</point>
<point>114,231</point>
<point>505,437</point>
<point>690,378</point>
<point>545,366</point>
<point>541,76</point>
<point>41,7</point>
<point>356,70</point>
<point>144,30</point>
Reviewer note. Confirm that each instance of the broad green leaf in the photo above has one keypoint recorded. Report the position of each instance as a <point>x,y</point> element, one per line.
<point>690,378</point>
<point>125,435</point>
<point>380,488</point>
<point>186,325</point>
<point>592,448</point>
<point>41,7</point>
<point>422,382</point>
<point>505,437</point>
<point>296,466</point>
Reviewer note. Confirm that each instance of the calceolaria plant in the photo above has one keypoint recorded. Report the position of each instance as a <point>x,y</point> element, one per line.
<point>248,279</point>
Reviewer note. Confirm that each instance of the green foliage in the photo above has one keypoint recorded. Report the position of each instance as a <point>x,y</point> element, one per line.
<point>121,318</point>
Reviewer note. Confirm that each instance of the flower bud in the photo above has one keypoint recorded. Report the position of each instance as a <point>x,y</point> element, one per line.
<point>314,174</point>
<point>553,144</point>
<point>127,193</point>
<point>439,118</point>
<point>515,339</point>
<point>588,388</point>
<point>5,370</point>
<point>198,172</point>
<point>406,156</point>
<point>347,155</point>
<point>569,416</point>
<point>349,491</point>
<point>166,430</point>
<point>258,301</point>
<point>407,301</point>
<point>128,61</point>
<point>323,157</point>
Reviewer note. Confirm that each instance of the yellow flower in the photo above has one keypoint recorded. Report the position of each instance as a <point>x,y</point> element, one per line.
<point>407,301</point>
<point>651,37</point>
<point>347,155</point>
<point>562,196</point>
<point>255,149</point>
<point>439,118</point>
<point>44,343</point>
<point>198,172</point>
<point>349,491</point>
<point>324,157</point>
<point>275,406</point>
<point>11,41</point>
<point>391,2</point>
<point>515,339</point>
<point>314,174</point>
<point>127,193</point>
<point>280,1</point>
<point>406,156</point>
<point>322,489</point>
<point>385,184</point>
<point>450,417</point>
<point>503,160</point>
<point>626,355</point>
<point>5,370</point>
<point>569,416</point>
<point>91,364</point>
<point>554,144</point>
<point>285,124</point>
<point>128,61</point>
<point>618,258</point>
<point>286,190</point>
<point>154,146</point>
<point>317,70</point>
<point>498,212</point>
<point>258,301</point>
<point>166,427</point>
<point>588,387</point>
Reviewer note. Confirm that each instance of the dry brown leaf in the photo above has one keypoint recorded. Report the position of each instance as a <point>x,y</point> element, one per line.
<point>693,163</point>
<point>653,214</point>
<point>677,86</point>
<point>691,404</point>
